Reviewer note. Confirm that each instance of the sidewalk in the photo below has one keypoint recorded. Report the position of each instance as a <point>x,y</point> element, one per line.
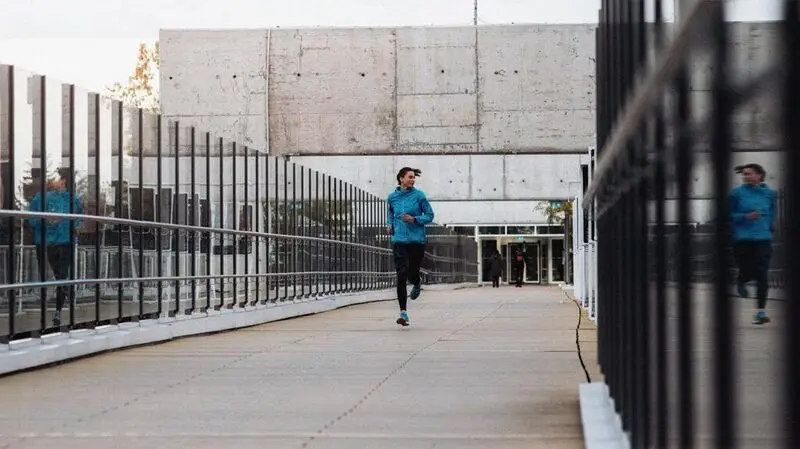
<point>478,368</point>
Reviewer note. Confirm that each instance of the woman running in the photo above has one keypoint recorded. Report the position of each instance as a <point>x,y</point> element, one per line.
<point>408,213</point>
<point>753,214</point>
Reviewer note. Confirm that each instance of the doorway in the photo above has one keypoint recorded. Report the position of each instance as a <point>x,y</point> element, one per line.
<point>531,253</point>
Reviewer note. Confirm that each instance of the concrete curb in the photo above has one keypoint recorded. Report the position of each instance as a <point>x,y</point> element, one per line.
<point>602,427</point>
<point>30,353</point>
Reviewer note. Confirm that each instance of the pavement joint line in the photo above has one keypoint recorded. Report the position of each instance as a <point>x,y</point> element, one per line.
<point>395,371</point>
<point>280,435</point>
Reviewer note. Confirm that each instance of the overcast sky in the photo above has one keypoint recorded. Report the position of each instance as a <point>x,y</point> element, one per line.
<point>93,42</point>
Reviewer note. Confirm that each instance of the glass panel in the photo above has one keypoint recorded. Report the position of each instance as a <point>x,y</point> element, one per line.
<point>490,230</point>
<point>531,254</point>
<point>558,260</point>
<point>521,230</point>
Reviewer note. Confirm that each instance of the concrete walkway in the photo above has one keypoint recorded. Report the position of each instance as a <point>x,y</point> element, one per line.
<point>478,368</point>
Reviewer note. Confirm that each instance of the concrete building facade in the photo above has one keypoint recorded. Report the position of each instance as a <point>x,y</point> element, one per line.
<point>497,117</point>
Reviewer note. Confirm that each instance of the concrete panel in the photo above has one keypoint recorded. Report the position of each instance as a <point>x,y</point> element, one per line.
<point>461,177</point>
<point>526,131</point>
<point>332,91</point>
<point>487,212</point>
<point>536,87</point>
<point>435,60</point>
<point>245,130</point>
<point>462,137</point>
<point>487,177</point>
<point>213,73</point>
<point>542,176</point>
<point>436,110</point>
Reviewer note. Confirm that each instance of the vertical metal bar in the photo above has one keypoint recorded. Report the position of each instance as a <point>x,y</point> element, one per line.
<point>268,228</point>
<point>724,361</point>
<point>277,230</point>
<point>99,207</point>
<point>377,229</point>
<point>176,251</point>
<point>208,236</point>
<point>10,201</point>
<point>303,230</point>
<point>140,233</point>
<point>221,211</point>
<point>337,207</point>
<point>286,220</point>
<point>791,135</point>
<point>194,198</point>
<point>384,261</point>
<point>246,239</point>
<point>72,240</point>
<point>119,208</point>
<point>43,192</point>
<point>159,217</point>
<point>331,214</point>
<point>317,233</point>
<point>294,229</point>
<point>359,260</point>
<point>351,229</point>
<point>660,406</point>
<point>258,216</point>
<point>235,214</point>
<point>683,148</point>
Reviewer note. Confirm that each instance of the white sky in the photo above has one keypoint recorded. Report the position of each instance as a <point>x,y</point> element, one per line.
<point>92,43</point>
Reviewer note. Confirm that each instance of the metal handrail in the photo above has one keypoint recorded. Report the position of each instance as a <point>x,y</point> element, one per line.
<point>200,229</point>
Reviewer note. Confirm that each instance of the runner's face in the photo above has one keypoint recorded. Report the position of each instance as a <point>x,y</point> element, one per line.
<point>408,180</point>
<point>750,176</point>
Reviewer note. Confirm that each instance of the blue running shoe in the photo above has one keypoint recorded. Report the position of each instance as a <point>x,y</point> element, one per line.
<point>403,320</point>
<point>741,287</point>
<point>761,318</point>
<point>415,292</point>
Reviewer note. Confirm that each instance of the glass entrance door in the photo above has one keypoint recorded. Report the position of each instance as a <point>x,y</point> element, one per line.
<point>531,254</point>
<point>532,263</point>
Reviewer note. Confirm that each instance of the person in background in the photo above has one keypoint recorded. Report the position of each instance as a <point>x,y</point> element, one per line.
<point>519,268</point>
<point>408,213</point>
<point>495,268</point>
<point>57,246</point>
<point>753,213</point>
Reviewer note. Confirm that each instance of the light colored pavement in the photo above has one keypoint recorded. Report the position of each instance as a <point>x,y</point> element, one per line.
<point>478,368</point>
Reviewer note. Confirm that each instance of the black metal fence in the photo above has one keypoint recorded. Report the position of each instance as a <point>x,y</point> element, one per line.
<point>168,220</point>
<point>678,107</point>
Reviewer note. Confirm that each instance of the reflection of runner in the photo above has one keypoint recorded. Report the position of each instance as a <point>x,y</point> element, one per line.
<point>408,213</point>
<point>753,214</point>
<point>56,248</point>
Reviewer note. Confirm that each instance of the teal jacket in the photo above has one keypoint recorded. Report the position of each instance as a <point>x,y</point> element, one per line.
<point>58,233</point>
<point>745,199</point>
<point>412,202</point>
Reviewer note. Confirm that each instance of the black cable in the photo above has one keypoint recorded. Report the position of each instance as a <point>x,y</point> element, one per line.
<point>578,338</point>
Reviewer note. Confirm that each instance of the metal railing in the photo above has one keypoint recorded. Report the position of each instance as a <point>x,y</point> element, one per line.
<point>167,220</point>
<point>683,363</point>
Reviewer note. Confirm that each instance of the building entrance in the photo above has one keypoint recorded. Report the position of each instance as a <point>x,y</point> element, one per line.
<point>531,254</point>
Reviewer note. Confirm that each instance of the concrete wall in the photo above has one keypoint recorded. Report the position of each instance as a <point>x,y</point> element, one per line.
<point>509,89</point>
<point>494,114</point>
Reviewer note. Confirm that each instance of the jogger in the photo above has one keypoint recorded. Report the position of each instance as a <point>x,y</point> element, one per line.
<point>753,213</point>
<point>408,211</point>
